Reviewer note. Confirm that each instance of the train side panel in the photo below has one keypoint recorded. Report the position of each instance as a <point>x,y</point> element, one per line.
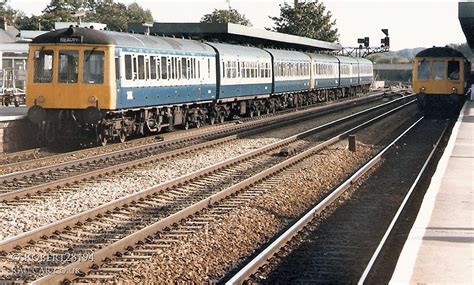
<point>150,77</point>
<point>325,71</point>
<point>243,72</point>
<point>291,71</point>
<point>349,71</point>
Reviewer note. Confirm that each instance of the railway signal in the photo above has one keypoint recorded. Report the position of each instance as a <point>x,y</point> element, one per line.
<point>385,42</point>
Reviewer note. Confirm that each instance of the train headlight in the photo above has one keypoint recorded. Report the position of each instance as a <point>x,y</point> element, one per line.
<point>40,99</point>
<point>92,99</point>
<point>454,90</point>
<point>422,89</point>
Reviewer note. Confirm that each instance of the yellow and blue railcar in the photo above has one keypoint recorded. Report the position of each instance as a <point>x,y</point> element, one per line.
<point>109,84</point>
<point>440,77</point>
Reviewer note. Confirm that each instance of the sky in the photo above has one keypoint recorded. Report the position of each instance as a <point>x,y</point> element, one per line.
<point>411,23</point>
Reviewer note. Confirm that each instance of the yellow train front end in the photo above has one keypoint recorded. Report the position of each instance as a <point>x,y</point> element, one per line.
<point>440,80</point>
<point>70,77</point>
<point>71,84</point>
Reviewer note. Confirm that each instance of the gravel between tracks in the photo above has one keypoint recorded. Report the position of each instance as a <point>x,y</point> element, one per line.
<point>242,231</point>
<point>34,214</point>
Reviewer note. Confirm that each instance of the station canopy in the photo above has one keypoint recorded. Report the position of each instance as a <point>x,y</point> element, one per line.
<point>234,34</point>
<point>466,18</point>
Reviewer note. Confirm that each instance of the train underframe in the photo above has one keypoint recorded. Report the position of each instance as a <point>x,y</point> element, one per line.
<point>91,126</point>
<point>440,105</point>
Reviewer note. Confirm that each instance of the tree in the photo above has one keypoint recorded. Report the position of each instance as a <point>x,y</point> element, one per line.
<point>8,13</point>
<point>306,20</point>
<point>59,11</point>
<point>117,15</point>
<point>24,22</point>
<point>226,16</point>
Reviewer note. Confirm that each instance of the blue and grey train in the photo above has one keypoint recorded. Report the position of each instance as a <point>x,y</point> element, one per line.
<point>109,85</point>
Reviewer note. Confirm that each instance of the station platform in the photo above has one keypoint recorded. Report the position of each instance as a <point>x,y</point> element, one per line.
<point>12,113</point>
<point>16,131</point>
<point>440,246</point>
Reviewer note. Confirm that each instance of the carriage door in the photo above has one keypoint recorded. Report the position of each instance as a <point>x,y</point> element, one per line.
<point>200,77</point>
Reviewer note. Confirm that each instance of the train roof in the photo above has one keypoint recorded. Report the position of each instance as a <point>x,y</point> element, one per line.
<point>288,55</point>
<point>240,51</point>
<point>323,57</point>
<point>440,52</point>
<point>346,59</point>
<point>76,35</point>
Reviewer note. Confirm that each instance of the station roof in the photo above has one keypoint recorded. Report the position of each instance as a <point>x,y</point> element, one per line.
<point>466,18</point>
<point>238,34</point>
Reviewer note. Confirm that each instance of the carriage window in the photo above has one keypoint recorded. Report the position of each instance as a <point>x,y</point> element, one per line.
<point>141,67</point>
<point>152,67</point>
<point>184,66</point>
<point>147,68</point>
<point>128,67</point>
<point>424,70</point>
<point>164,67</point>
<point>93,67</point>
<point>117,68</point>
<point>208,68</point>
<point>438,70</point>
<point>68,66</point>
<point>199,69</point>
<point>43,66</point>
<point>453,70</point>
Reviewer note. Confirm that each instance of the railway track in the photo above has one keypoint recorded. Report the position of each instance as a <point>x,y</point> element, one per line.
<point>38,157</point>
<point>120,224</point>
<point>43,179</point>
<point>313,248</point>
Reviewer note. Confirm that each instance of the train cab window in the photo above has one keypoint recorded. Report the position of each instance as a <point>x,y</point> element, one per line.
<point>93,67</point>
<point>424,70</point>
<point>453,70</point>
<point>68,66</point>
<point>438,70</point>
<point>43,66</point>
<point>128,67</point>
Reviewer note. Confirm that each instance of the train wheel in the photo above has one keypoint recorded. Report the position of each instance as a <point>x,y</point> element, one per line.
<point>212,120</point>
<point>186,125</point>
<point>198,123</point>
<point>122,136</point>
<point>101,136</point>
<point>101,139</point>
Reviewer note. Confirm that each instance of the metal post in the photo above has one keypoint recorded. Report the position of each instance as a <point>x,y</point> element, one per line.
<point>352,143</point>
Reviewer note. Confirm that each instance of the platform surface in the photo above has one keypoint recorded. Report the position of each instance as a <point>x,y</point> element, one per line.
<point>440,246</point>
<point>11,113</point>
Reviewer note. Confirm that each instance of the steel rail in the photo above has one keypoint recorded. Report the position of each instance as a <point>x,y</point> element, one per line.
<point>8,244</point>
<point>276,245</point>
<point>28,191</point>
<point>130,241</point>
<point>212,132</point>
<point>400,209</point>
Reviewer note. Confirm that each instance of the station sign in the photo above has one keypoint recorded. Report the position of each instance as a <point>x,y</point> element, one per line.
<point>70,39</point>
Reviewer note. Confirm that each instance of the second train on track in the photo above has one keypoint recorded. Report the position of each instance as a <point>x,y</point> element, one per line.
<point>86,84</point>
